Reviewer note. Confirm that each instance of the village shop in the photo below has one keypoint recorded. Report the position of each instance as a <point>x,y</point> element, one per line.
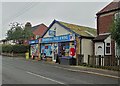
<point>59,45</point>
<point>67,41</point>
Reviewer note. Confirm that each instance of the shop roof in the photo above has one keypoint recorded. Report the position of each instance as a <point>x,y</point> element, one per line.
<point>110,7</point>
<point>100,38</point>
<point>80,30</point>
<point>76,29</point>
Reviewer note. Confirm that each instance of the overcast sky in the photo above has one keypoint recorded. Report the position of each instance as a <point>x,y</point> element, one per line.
<point>80,13</point>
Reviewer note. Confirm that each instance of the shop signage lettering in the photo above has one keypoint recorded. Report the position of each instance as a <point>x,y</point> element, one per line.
<point>33,41</point>
<point>57,39</point>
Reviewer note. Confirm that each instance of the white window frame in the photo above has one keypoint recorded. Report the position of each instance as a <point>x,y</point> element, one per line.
<point>106,49</point>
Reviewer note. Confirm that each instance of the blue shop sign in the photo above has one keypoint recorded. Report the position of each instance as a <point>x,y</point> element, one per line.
<point>52,32</point>
<point>34,41</point>
<point>57,39</point>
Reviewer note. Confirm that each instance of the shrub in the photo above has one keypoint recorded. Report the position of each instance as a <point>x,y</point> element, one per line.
<point>20,48</point>
<point>6,48</point>
<point>15,48</point>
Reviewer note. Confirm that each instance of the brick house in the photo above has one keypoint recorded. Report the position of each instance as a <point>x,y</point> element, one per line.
<point>104,45</point>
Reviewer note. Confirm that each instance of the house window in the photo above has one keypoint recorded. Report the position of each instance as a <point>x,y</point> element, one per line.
<point>108,48</point>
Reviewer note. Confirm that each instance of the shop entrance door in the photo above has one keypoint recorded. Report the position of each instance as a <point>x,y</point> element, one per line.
<point>63,49</point>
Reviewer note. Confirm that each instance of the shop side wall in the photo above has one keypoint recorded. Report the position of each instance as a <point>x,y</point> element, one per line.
<point>77,49</point>
<point>59,30</point>
<point>87,48</point>
<point>78,45</point>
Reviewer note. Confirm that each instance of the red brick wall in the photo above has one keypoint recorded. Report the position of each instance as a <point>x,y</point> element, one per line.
<point>104,22</point>
<point>113,47</point>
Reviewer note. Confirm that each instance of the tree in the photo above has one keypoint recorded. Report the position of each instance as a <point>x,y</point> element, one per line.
<point>115,30</point>
<point>18,33</point>
<point>27,32</point>
<point>15,33</point>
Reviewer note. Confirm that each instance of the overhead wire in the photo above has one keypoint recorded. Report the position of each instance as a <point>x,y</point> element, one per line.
<point>25,9</point>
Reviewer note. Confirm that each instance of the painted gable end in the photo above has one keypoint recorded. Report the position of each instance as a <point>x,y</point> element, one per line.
<point>58,29</point>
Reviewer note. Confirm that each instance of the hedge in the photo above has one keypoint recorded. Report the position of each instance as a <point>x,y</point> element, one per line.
<point>14,48</point>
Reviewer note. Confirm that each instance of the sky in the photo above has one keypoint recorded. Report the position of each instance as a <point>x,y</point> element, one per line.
<point>71,11</point>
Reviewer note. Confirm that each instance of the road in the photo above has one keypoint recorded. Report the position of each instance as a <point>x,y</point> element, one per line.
<point>21,71</point>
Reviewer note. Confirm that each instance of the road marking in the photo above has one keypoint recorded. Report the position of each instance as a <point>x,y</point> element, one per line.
<point>107,75</point>
<point>44,77</point>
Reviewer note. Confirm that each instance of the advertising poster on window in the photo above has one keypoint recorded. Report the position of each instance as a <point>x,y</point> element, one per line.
<point>34,50</point>
<point>46,49</point>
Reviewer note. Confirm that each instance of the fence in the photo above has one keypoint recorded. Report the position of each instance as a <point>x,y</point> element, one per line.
<point>104,60</point>
<point>107,62</point>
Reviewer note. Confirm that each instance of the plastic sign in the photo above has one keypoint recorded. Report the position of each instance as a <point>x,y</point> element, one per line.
<point>34,41</point>
<point>72,51</point>
<point>52,32</point>
<point>61,38</point>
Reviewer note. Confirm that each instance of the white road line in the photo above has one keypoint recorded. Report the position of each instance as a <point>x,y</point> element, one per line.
<point>107,75</point>
<point>44,77</point>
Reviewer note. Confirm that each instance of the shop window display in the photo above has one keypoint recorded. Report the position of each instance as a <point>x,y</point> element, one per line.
<point>46,49</point>
<point>34,50</point>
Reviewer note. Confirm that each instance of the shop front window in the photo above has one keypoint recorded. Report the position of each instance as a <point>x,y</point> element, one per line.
<point>64,49</point>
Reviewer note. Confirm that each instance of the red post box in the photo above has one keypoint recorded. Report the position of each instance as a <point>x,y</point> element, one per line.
<point>72,51</point>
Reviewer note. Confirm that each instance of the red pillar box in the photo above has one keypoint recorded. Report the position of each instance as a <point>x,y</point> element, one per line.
<point>72,51</point>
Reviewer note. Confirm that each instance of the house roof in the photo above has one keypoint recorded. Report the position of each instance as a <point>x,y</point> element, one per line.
<point>39,29</point>
<point>115,5</point>
<point>100,38</point>
<point>80,30</point>
<point>35,27</point>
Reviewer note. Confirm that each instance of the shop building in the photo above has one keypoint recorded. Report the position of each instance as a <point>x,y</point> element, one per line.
<point>61,37</point>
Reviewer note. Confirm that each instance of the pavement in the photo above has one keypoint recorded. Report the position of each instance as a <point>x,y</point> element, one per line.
<point>90,70</point>
<point>21,71</point>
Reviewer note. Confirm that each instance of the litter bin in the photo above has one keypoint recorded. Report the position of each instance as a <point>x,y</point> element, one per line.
<point>27,55</point>
<point>67,61</point>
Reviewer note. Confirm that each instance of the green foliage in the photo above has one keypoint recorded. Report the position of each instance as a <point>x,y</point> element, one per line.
<point>115,30</point>
<point>27,32</point>
<point>15,48</point>
<point>15,32</point>
<point>7,48</point>
<point>19,33</point>
<point>20,48</point>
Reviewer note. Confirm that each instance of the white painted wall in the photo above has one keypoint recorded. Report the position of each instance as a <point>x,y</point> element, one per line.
<point>87,48</point>
<point>59,30</point>
<point>97,50</point>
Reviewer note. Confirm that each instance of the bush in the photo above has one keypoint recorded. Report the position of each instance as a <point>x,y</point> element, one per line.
<point>6,48</point>
<point>15,48</point>
<point>20,48</point>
